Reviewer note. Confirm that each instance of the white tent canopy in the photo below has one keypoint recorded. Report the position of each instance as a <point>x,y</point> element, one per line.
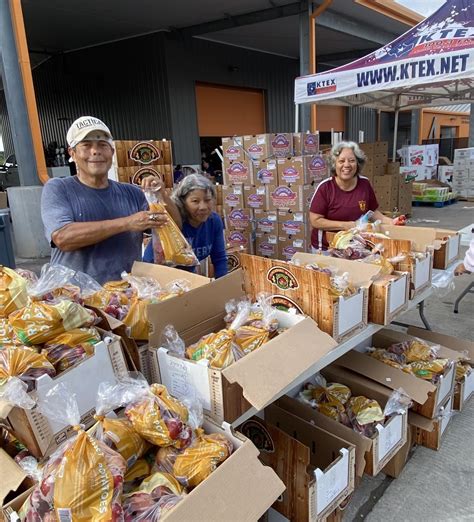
<point>431,64</point>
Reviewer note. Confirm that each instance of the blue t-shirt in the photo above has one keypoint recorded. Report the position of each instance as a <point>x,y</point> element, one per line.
<point>206,240</point>
<point>67,200</point>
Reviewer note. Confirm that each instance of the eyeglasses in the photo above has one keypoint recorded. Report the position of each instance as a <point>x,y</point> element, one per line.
<point>342,161</point>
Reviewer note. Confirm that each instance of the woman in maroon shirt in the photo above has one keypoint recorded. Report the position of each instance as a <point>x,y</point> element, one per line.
<point>341,200</point>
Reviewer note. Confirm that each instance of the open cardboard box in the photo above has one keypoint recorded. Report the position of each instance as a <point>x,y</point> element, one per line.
<point>427,397</point>
<point>309,291</point>
<point>387,298</point>
<point>256,379</point>
<point>224,493</point>
<point>14,481</point>
<point>43,436</point>
<point>464,389</point>
<point>446,243</point>
<point>316,467</point>
<point>429,432</point>
<point>372,454</point>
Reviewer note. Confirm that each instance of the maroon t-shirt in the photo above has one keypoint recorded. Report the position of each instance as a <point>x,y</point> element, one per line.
<point>338,205</point>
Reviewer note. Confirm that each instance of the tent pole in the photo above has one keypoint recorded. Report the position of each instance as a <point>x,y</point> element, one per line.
<point>297,114</point>
<point>395,134</point>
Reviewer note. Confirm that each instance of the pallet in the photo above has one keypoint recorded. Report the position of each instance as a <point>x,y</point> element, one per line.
<point>437,204</point>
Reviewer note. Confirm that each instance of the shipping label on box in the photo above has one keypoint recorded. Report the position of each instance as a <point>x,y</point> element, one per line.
<point>257,146</point>
<point>257,198</point>
<point>266,222</point>
<point>232,196</point>
<point>239,172</point>
<point>316,168</point>
<point>291,171</point>
<point>239,219</point>
<point>296,198</point>
<point>265,172</point>
<point>282,145</point>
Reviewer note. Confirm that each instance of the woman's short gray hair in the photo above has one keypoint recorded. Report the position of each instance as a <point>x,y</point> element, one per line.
<point>187,185</point>
<point>336,150</point>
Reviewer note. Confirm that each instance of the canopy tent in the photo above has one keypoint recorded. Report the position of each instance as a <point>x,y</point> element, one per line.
<point>431,64</point>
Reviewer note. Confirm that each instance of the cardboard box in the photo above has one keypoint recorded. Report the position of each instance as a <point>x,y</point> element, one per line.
<point>427,397</point>
<point>372,454</point>
<point>238,172</point>
<point>295,198</point>
<point>392,168</point>
<point>289,228</point>
<point>14,480</point>
<point>405,197</point>
<point>130,153</point>
<point>316,467</point>
<point>232,196</point>
<point>289,247</point>
<point>281,145</point>
<point>265,172</point>
<point>316,167</point>
<point>256,379</point>
<point>305,143</point>
<point>429,432</point>
<point>3,200</point>
<point>239,219</point>
<point>464,389</point>
<point>445,173</point>
<point>446,243</point>
<point>43,436</point>
<point>257,146</point>
<point>135,175</point>
<point>266,245</point>
<point>232,150</point>
<point>467,154</point>
<point>266,222</point>
<point>250,498</point>
<point>388,297</point>
<point>291,171</point>
<point>309,291</point>
<point>257,198</point>
<point>397,463</point>
<point>388,184</point>
<point>239,239</point>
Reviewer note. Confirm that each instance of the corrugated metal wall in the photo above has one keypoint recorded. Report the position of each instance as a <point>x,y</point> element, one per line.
<point>196,60</point>
<point>359,118</point>
<point>5,129</point>
<point>145,88</point>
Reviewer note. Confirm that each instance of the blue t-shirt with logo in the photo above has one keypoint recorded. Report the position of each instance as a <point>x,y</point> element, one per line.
<point>67,200</point>
<point>206,240</point>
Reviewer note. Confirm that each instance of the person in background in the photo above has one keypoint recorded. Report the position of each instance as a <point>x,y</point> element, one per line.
<point>206,169</point>
<point>178,174</point>
<point>94,224</point>
<point>195,199</point>
<point>467,266</point>
<point>344,197</point>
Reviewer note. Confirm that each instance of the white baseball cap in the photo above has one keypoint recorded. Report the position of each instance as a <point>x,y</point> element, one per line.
<point>88,127</point>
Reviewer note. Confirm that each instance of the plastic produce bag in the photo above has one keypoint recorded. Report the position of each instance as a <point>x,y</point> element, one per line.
<point>398,403</point>
<point>195,463</point>
<point>39,322</point>
<point>443,281</point>
<point>19,367</point>
<point>7,335</point>
<point>69,348</point>
<point>218,348</point>
<point>176,249</point>
<point>30,276</point>
<point>428,370</point>
<point>136,474</point>
<point>82,481</point>
<point>157,417</point>
<point>116,433</point>
<point>463,369</point>
<point>153,499</point>
<point>172,341</point>
<point>364,414</point>
<point>13,293</point>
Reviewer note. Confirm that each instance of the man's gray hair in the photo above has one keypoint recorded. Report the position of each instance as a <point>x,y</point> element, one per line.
<point>336,150</point>
<point>187,185</point>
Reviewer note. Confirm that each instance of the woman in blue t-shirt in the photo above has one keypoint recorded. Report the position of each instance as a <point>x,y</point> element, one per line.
<point>195,197</point>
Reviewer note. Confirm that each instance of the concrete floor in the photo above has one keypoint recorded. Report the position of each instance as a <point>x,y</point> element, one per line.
<point>435,486</point>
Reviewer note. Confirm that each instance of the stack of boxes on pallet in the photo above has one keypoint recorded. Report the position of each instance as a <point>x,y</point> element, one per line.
<point>134,160</point>
<point>390,184</point>
<point>420,162</point>
<point>463,172</point>
<point>269,180</point>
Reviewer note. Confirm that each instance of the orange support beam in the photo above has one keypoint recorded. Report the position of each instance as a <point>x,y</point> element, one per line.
<point>25,67</point>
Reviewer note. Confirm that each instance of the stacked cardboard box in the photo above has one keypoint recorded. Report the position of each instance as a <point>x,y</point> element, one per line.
<point>134,160</point>
<point>422,159</point>
<point>269,180</point>
<point>463,172</point>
